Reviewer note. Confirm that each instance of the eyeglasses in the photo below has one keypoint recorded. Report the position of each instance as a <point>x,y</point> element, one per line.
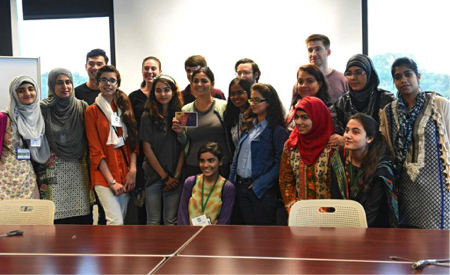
<point>356,73</point>
<point>105,80</point>
<point>238,93</point>
<point>246,73</point>
<point>256,100</point>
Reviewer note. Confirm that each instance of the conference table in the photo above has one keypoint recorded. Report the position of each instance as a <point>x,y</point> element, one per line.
<point>85,249</point>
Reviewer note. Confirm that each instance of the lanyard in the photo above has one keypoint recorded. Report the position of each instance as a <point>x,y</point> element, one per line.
<point>203,189</point>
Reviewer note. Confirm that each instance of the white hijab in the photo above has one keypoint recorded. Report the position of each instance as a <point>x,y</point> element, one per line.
<point>27,120</point>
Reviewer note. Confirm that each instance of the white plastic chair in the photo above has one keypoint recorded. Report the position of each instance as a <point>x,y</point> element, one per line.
<point>347,213</point>
<point>27,212</point>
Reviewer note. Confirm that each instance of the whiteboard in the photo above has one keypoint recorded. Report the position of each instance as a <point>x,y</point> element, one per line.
<point>10,67</point>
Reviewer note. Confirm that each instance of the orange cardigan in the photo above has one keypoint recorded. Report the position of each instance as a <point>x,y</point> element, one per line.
<point>97,130</point>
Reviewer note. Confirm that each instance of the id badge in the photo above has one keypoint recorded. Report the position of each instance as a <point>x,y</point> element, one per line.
<point>116,121</point>
<point>23,154</point>
<point>201,221</point>
<point>120,144</point>
<point>36,142</point>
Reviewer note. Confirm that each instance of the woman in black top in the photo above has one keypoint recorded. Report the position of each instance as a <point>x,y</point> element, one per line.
<point>151,67</point>
<point>364,174</point>
<point>363,96</point>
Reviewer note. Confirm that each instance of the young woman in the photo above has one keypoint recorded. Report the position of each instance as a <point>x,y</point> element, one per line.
<point>210,123</point>
<point>209,193</point>
<point>256,164</point>
<point>305,162</point>
<point>164,153</point>
<point>363,173</point>
<point>22,129</point>
<point>64,178</point>
<point>310,82</point>
<point>417,129</point>
<point>238,95</point>
<point>112,135</point>
<point>363,96</point>
<point>151,67</point>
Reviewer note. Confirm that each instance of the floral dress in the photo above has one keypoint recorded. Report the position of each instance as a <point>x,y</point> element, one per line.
<point>66,183</point>
<point>299,181</point>
<point>17,178</point>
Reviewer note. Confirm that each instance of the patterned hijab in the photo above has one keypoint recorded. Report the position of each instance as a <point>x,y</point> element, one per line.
<point>312,144</point>
<point>27,120</point>
<point>369,91</point>
<point>64,119</point>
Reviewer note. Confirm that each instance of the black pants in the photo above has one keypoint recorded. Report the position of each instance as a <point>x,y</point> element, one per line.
<point>86,219</point>
<point>256,211</point>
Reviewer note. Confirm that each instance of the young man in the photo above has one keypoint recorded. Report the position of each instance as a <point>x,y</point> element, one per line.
<point>247,69</point>
<point>88,91</point>
<point>191,64</point>
<point>318,46</point>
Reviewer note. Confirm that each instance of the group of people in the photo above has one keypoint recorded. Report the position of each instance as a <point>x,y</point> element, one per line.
<point>246,161</point>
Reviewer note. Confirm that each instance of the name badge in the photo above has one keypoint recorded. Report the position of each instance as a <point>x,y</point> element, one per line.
<point>201,221</point>
<point>120,144</point>
<point>116,121</point>
<point>23,154</point>
<point>36,142</point>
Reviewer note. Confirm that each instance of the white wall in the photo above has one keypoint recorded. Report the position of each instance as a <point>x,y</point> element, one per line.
<point>272,33</point>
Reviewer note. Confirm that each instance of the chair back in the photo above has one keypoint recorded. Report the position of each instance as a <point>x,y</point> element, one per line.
<point>328,213</point>
<point>27,212</point>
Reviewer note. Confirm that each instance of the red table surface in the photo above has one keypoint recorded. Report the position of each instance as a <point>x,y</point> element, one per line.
<point>324,243</point>
<point>198,265</point>
<point>95,239</point>
<point>77,265</point>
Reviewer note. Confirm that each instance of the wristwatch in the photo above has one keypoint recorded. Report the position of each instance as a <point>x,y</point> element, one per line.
<point>112,182</point>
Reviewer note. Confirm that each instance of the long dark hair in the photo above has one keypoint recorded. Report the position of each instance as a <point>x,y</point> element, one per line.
<point>231,114</point>
<point>123,103</point>
<point>275,111</point>
<point>155,109</point>
<point>320,78</point>
<point>376,148</point>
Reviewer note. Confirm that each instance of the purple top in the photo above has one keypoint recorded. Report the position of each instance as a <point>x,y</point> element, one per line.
<point>225,211</point>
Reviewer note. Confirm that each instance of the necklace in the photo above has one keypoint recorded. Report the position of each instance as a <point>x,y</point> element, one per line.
<point>203,110</point>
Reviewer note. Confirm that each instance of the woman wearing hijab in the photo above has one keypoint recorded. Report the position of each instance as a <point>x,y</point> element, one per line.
<point>363,96</point>
<point>305,161</point>
<point>64,177</point>
<point>23,140</point>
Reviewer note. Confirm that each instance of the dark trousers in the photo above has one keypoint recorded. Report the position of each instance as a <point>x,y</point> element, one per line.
<point>256,211</point>
<point>86,219</point>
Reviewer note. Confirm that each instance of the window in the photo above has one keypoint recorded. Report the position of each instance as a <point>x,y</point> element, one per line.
<point>415,29</point>
<point>63,43</point>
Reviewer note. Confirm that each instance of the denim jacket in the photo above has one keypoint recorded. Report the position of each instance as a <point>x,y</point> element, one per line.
<point>266,156</point>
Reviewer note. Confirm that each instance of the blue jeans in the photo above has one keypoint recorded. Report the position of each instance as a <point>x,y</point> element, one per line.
<point>157,199</point>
